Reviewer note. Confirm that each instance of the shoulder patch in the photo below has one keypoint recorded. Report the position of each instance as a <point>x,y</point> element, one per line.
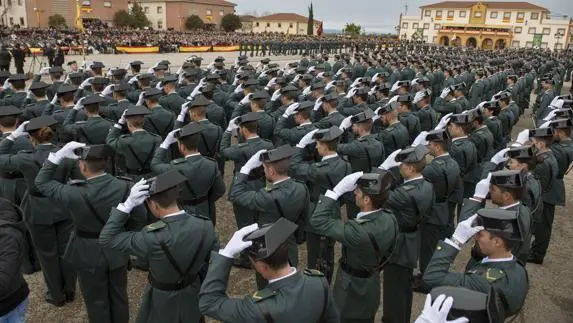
<point>155,226</point>
<point>81,122</point>
<point>243,144</point>
<point>362,221</point>
<point>77,182</point>
<point>202,217</point>
<point>313,272</point>
<point>408,187</point>
<point>124,178</point>
<point>263,294</point>
<point>493,274</point>
<point>439,161</point>
<point>178,161</point>
<point>321,164</point>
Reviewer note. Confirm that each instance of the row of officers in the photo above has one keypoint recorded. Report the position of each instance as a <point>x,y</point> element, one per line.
<point>390,222</point>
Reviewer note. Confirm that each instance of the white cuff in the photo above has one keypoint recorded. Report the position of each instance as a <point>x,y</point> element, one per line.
<point>245,170</point>
<point>331,195</point>
<point>181,118</point>
<point>164,145</point>
<point>285,115</point>
<point>121,207</point>
<point>224,253</point>
<point>54,159</point>
<point>118,126</point>
<point>301,146</point>
<point>11,138</point>
<point>453,244</point>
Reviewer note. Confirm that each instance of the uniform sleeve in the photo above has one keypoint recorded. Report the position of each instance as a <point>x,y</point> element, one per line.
<point>213,299</point>
<point>280,126</point>
<point>399,201</point>
<point>469,208</point>
<point>299,168</point>
<point>327,222</point>
<point>219,187</point>
<point>350,149</point>
<point>53,189</point>
<point>9,262</point>
<point>113,236</point>
<point>113,139</point>
<point>70,118</point>
<point>227,151</point>
<point>8,162</point>
<point>243,196</point>
<point>159,163</point>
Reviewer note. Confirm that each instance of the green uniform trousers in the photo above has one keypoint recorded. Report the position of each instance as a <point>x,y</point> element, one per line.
<point>398,285</point>
<point>106,293</point>
<point>542,230</point>
<point>320,254</point>
<point>430,236</point>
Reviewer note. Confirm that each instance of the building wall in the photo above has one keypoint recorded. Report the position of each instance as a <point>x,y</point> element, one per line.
<point>101,9</point>
<point>13,13</point>
<point>285,27</point>
<point>156,12</point>
<point>174,14</point>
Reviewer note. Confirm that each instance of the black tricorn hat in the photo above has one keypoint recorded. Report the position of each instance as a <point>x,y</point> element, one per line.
<point>279,153</point>
<point>329,134</point>
<point>269,238</point>
<point>500,222</point>
<point>477,307</point>
<point>375,183</point>
<point>165,181</point>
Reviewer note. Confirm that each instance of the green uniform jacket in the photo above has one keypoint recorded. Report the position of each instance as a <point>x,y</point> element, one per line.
<point>115,110</point>
<point>210,140</point>
<point>476,93</point>
<point>508,276</point>
<point>483,141</point>
<point>412,123</point>
<point>428,118</point>
<point>507,121</point>
<point>363,153</point>
<point>34,110</point>
<point>204,185</point>
<point>444,174</point>
<point>297,298</point>
<point>543,109</point>
<point>60,113</point>
<point>465,153</point>
<point>442,107</point>
<point>464,103</point>
<point>172,102</point>
<point>216,115</point>
<point>293,135</point>
<point>16,99</point>
<point>563,151</point>
<point>137,148</point>
<point>187,238</point>
<point>93,131</point>
<point>12,183</point>
<point>102,193</point>
<point>355,109</point>
<point>289,199</point>
<point>333,119</point>
<point>393,137</point>
<point>546,171</point>
<point>532,197</point>
<point>160,121</point>
<point>494,125</point>
<point>355,297</point>
<point>411,203</point>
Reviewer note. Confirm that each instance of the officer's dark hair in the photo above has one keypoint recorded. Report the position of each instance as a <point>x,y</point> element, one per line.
<point>547,140</point>
<point>136,68</point>
<point>379,200</point>
<point>136,121</point>
<point>167,198</point>
<point>279,258</point>
<point>530,162</point>
<point>121,94</point>
<point>18,85</point>
<point>366,125</point>
<point>515,192</point>
<point>144,82</point>
<point>407,105</point>
<point>250,126</point>
<point>304,113</point>
<point>506,100</point>
<point>466,127</point>
<point>281,166</point>
<point>208,95</point>
<point>98,87</point>
<point>92,108</point>
<point>260,103</point>
<point>364,96</point>
<point>418,166</point>
<point>331,145</point>
<point>42,135</point>
<point>8,121</point>
<point>153,99</point>
<point>290,95</point>
<point>385,91</point>
<point>39,92</point>
<point>190,142</point>
<point>566,131</point>
<point>509,244</point>
<point>76,81</point>
<point>57,75</point>
<point>96,165</point>
<point>200,111</point>
<point>68,96</point>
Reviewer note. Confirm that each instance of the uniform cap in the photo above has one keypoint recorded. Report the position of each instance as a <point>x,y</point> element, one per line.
<point>191,72</point>
<point>71,62</point>
<point>304,106</point>
<point>477,307</point>
<point>144,76</point>
<point>136,63</point>
<point>405,98</point>
<point>521,152</point>
<point>249,117</point>
<point>18,77</point>
<point>508,178</point>
<point>160,67</point>
<point>389,107</point>
<point>37,85</point>
<point>9,110</point>
<point>462,118</point>
<point>362,116</point>
<point>66,88</point>
<point>317,85</point>
<point>269,238</point>
<point>330,97</point>
<point>500,222</point>
<point>170,78</point>
<point>199,101</point>
<point>219,64</point>
<point>375,183</point>
<point>78,75</point>
<point>280,81</point>
<point>118,72</point>
<point>412,154</point>
<point>307,77</point>
<point>280,153</point>
<point>94,152</point>
<point>459,86</point>
<point>152,92</point>
<point>57,69</point>
<point>561,124</point>
<point>300,70</point>
<point>40,122</point>
<point>93,99</point>
<point>136,111</point>
<point>219,59</point>
<point>288,88</point>
<point>438,135</point>
<point>251,82</point>
<point>564,113</point>
<point>329,134</point>
<point>541,132</point>
<point>121,87</point>
<point>188,130</point>
<point>503,95</point>
<point>265,60</point>
<point>165,181</point>
<point>212,77</point>
<point>99,81</point>
<point>97,65</point>
<point>362,90</point>
<point>207,88</point>
<point>260,95</point>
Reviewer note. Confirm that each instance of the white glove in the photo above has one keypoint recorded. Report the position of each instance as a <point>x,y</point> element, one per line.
<point>346,123</point>
<point>28,94</point>
<point>329,85</point>
<point>276,95</point>
<point>480,106</point>
<point>133,79</point>
<point>420,139</point>
<point>121,120</point>
<point>438,313</point>
<point>356,82</point>
<point>246,99</point>
<point>138,194</point>
<point>311,69</point>
<point>482,187</point>
<point>86,82</point>
<point>523,137</point>
<point>390,161</point>
<point>545,124</point>
<point>19,132</point>
<point>236,80</point>
<point>210,66</point>
<point>318,103</point>
<point>351,93</point>
<point>183,113</point>
<point>238,89</point>
<point>445,92</point>
<point>307,91</point>
<point>196,91</point>
<point>65,152</point>
<point>45,70</point>
<point>320,75</point>
<point>395,86</point>
<point>54,99</point>
<point>296,78</point>
<point>464,231</point>
<point>253,162</point>
<point>418,97</point>
<point>141,100</point>
<point>290,110</point>
<point>444,121</point>
<point>233,124</point>
<point>307,139</point>
<point>550,116</point>
<point>170,139</point>
<point>272,82</point>
<point>339,72</point>
<point>263,75</point>
<point>79,105</point>
<point>375,77</point>
<point>110,72</point>
<point>108,89</point>
<point>347,184</point>
<point>500,157</point>
<point>236,245</point>
<point>158,85</point>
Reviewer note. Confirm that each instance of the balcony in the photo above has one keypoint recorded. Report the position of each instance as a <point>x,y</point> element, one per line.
<point>481,30</point>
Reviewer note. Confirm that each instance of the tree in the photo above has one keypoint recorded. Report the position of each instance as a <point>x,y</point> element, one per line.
<point>138,17</point>
<point>231,22</point>
<point>310,23</point>
<point>57,21</point>
<point>352,29</point>
<point>122,18</point>
<point>194,22</point>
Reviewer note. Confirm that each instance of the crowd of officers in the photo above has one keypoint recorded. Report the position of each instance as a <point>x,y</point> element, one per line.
<point>391,153</point>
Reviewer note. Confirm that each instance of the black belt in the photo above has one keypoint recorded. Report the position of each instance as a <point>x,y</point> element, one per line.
<point>36,194</point>
<point>356,272</point>
<point>87,234</point>
<point>409,230</point>
<point>171,286</point>
<point>11,175</point>
<point>196,201</point>
<point>138,171</point>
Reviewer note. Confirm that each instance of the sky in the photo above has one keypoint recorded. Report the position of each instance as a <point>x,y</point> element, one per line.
<point>376,16</point>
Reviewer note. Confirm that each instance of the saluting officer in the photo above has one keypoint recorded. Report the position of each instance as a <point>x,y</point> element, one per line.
<point>302,297</point>
<point>394,135</point>
<point>463,150</point>
<point>366,151</point>
<point>407,117</point>
<point>177,247</point>
<point>204,184</point>
<point>159,121</point>
<point>265,123</point>
<point>301,112</point>
<point>491,110</point>
<point>94,130</point>
<point>446,103</point>
<point>138,146</point>
<point>38,93</point>
<point>320,177</point>
<point>102,272</point>
<point>171,101</point>
<point>426,114</point>
<point>115,110</point>
<point>65,96</point>
<point>367,242</point>
<point>17,96</point>
<point>332,117</point>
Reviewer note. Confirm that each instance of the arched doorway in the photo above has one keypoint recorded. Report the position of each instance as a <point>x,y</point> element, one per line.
<point>471,42</point>
<point>487,43</point>
<point>456,41</point>
<point>500,44</point>
<point>444,40</point>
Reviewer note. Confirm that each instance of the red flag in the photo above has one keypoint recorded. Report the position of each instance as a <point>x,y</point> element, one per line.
<point>319,30</point>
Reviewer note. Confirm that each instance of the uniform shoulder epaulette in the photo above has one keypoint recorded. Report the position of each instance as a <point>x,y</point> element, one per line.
<point>124,178</point>
<point>243,144</point>
<point>439,161</point>
<point>408,187</point>
<point>77,182</point>
<point>155,226</point>
<point>313,272</point>
<point>361,138</point>
<point>125,135</point>
<point>269,187</point>
<point>26,151</point>
<point>263,294</point>
<point>321,163</point>
<point>178,161</point>
<point>199,216</point>
<point>493,274</point>
<point>361,221</point>
<point>81,122</point>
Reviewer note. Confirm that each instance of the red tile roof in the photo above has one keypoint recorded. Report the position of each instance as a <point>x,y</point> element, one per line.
<point>490,4</point>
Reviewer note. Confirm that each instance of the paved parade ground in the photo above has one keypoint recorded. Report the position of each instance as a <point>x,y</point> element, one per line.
<point>550,296</point>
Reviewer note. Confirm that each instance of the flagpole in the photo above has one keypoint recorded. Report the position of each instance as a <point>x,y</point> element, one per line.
<point>80,25</point>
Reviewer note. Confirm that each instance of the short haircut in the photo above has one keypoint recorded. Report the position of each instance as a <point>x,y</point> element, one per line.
<point>251,126</point>
<point>42,135</point>
<point>566,131</point>
<point>92,108</point>
<point>136,68</point>
<point>8,121</point>
<point>208,95</point>
<point>68,96</point>
<point>331,145</point>
<point>304,113</point>
<point>39,92</point>
<point>418,166</point>
<point>121,94</point>
<point>144,82</point>
<point>379,200</point>
<point>190,142</point>
<point>516,192</point>
<point>364,96</point>
<point>279,258</point>
<point>167,198</point>
<point>96,165</point>
<point>199,110</point>
<point>19,85</point>
<point>366,125</point>
<point>281,166</point>
<point>136,121</point>
<point>98,87</point>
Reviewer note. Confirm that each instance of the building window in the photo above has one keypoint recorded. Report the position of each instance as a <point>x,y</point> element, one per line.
<point>434,39</point>
<point>517,30</point>
<point>427,25</point>
<point>520,17</point>
<point>462,14</point>
<point>208,12</point>
<point>506,16</point>
<point>438,14</point>
<point>477,14</point>
<point>437,27</point>
<point>544,45</point>
<point>532,30</point>
<point>290,25</point>
<point>159,24</point>
<point>257,24</point>
<point>11,21</point>
<point>559,46</point>
<point>404,25</point>
<point>22,21</point>
<point>221,13</point>
<point>493,15</point>
<point>534,15</point>
<point>529,44</point>
<point>450,14</point>
<point>146,9</point>
<point>415,25</point>
<point>279,25</point>
<point>268,24</point>
<point>425,38</point>
<point>515,44</point>
<point>428,13</point>
<point>546,31</point>
<point>107,4</point>
<point>159,9</point>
